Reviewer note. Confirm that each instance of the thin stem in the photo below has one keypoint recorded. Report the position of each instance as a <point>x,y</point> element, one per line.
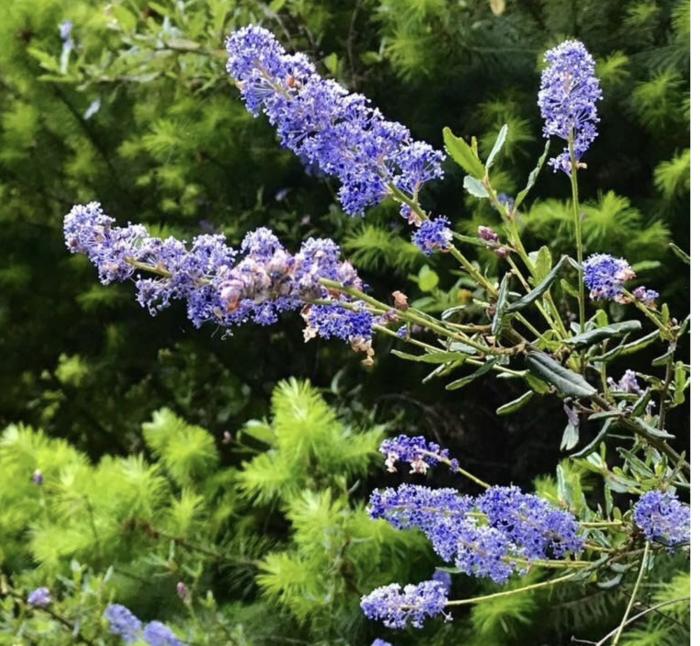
<point>579,239</point>
<point>640,576</point>
<point>663,396</point>
<point>644,612</point>
<point>459,470</point>
<point>509,593</point>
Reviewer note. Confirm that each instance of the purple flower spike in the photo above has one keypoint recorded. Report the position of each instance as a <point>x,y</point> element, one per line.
<point>569,91</point>
<point>331,130</point>
<point>398,608</point>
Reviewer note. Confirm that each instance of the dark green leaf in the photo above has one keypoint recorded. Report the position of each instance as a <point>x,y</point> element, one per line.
<point>481,370</point>
<point>629,348</point>
<point>680,253</point>
<point>662,359</point>
<point>589,448</point>
<point>600,334</point>
<point>516,404</point>
<point>463,154</point>
<point>541,288</point>
<point>501,306</point>
<point>568,383</point>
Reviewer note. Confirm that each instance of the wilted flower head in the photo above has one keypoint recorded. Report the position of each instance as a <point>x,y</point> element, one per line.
<point>39,598</point>
<point>38,477</point>
<point>410,606</point>
<point>646,296</point>
<point>628,383</point>
<point>569,91</point>
<point>663,518</point>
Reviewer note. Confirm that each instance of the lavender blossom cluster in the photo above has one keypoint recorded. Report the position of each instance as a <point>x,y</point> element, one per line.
<point>568,95</point>
<point>333,131</point>
<point>399,608</point>
<point>494,536</point>
<point>663,518</point>
<point>491,536</point>
<point>416,451</point>
<point>221,285</point>
<point>605,277</point>
<point>123,623</point>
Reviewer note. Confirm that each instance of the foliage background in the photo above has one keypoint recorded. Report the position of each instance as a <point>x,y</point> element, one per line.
<point>169,144</point>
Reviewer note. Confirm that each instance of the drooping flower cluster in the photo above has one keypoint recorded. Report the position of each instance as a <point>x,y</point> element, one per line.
<point>125,624</point>
<point>220,285</point>
<point>490,536</point>
<point>663,518</point>
<point>569,91</point>
<point>416,451</point>
<point>39,598</point>
<point>398,608</point>
<point>337,132</point>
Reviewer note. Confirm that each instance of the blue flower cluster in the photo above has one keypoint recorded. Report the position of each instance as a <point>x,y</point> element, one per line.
<point>605,275</point>
<point>125,624</point>
<point>569,91</point>
<point>337,132</point>
<point>663,518</point>
<point>398,608</point>
<point>39,598</point>
<point>490,536</point>
<point>415,451</point>
<point>433,235</point>
<point>220,285</point>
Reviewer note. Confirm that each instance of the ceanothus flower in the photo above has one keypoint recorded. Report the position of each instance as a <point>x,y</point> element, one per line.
<point>663,518</point>
<point>647,296</point>
<point>123,622</point>
<point>256,284</point>
<point>531,523</point>
<point>156,633</point>
<point>39,598</point>
<point>331,130</point>
<point>605,275</point>
<point>380,642</point>
<point>410,606</point>
<point>413,451</point>
<point>569,91</point>
<point>433,235</point>
<point>445,578</point>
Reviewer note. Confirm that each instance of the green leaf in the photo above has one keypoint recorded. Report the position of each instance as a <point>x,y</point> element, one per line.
<point>569,439</point>
<point>331,62</point>
<point>654,432</point>
<point>500,140</point>
<point>600,334</point>
<point>589,448</point>
<point>481,370</point>
<point>516,404</point>
<point>629,348</point>
<point>260,431</point>
<point>501,303</point>
<point>474,187</point>
<point>681,382</point>
<point>568,383</point>
<point>662,359</point>
<point>680,253</point>
<point>541,288</point>
<point>539,386</point>
<point>428,280</point>
<point>463,154</point>
<point>532,178</point>
<point>430,357</point>
<point>543,264</point>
